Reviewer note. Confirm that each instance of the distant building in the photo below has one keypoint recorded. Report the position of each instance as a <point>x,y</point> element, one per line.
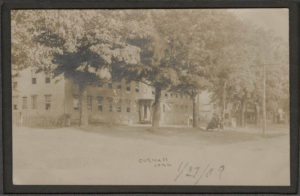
<point>38,99</point>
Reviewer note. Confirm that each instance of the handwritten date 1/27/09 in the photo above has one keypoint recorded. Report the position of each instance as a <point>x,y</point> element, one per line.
<point>187,170</point>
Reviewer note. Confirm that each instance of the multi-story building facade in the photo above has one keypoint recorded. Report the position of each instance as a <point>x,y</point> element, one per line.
<point>37,98</point>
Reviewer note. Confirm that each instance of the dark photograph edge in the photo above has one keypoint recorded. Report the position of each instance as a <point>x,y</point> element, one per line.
<point>8,186</point>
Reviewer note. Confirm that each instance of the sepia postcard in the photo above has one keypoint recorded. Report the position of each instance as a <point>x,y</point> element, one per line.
<point>194,97</point>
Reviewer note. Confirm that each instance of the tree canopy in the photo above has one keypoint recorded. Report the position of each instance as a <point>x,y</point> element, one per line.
<point>186,51</point>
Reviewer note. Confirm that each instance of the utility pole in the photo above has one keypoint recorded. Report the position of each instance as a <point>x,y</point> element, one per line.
<point>264,101</point>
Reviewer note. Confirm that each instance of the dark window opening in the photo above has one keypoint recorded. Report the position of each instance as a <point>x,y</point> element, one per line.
<point>47,80</point>
<point>33,80</point>
<point>47,102</point>
<point>76,102</point>
<point>48,105</point>
<point>119,109</point>
<point>119,86</point>
<point>137,88</point>
<point>99,100</point>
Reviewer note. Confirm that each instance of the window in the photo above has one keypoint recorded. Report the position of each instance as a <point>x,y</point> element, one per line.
<point>109,99</point>
<point>153,93</point>
<point>47,102</point>
<point>137,88</point>
<point>24,105</point>
<point>109,85</point>
<point>166,95</point>
<point>176,95</point>
<point>171,94</point>
<point>119,107</point>
<point>99,102</point>
<point>100,85</point>
<point>128,103</point>
<point>76,102</point>
<point>15,85</point>
<point>47,80</point>
<point>33,80</point>
<point>15,102</point>
<point>89,102</point>
<point>33,76</point>
<point>128,87</point>
<point>119,86</point>
<point>34,102</point>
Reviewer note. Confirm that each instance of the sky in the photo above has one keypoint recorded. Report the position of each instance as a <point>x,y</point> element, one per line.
<point>275,19</point>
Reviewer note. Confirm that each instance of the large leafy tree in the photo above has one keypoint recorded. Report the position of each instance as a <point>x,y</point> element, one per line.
<point>238,72</point>
<point>77,44</point>
<point>174,56</point>
<point>160,55</point>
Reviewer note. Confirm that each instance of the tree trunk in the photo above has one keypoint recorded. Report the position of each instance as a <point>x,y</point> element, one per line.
<point>243,111</point>
<point>224,101</point>
<point>257,115</point>
<point>156,108</point>
<point>195,112</point>
<point>84,121</point>
<point>264,101</point>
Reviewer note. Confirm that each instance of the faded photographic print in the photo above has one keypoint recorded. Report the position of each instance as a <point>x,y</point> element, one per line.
<point>150,97</point>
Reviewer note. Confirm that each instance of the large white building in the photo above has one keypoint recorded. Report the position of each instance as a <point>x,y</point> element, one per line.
<point>40,100</point>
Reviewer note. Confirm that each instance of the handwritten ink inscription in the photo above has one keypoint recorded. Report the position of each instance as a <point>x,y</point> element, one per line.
<point>156,162</point>
<point>197,172</point>
<point>185,170</point>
